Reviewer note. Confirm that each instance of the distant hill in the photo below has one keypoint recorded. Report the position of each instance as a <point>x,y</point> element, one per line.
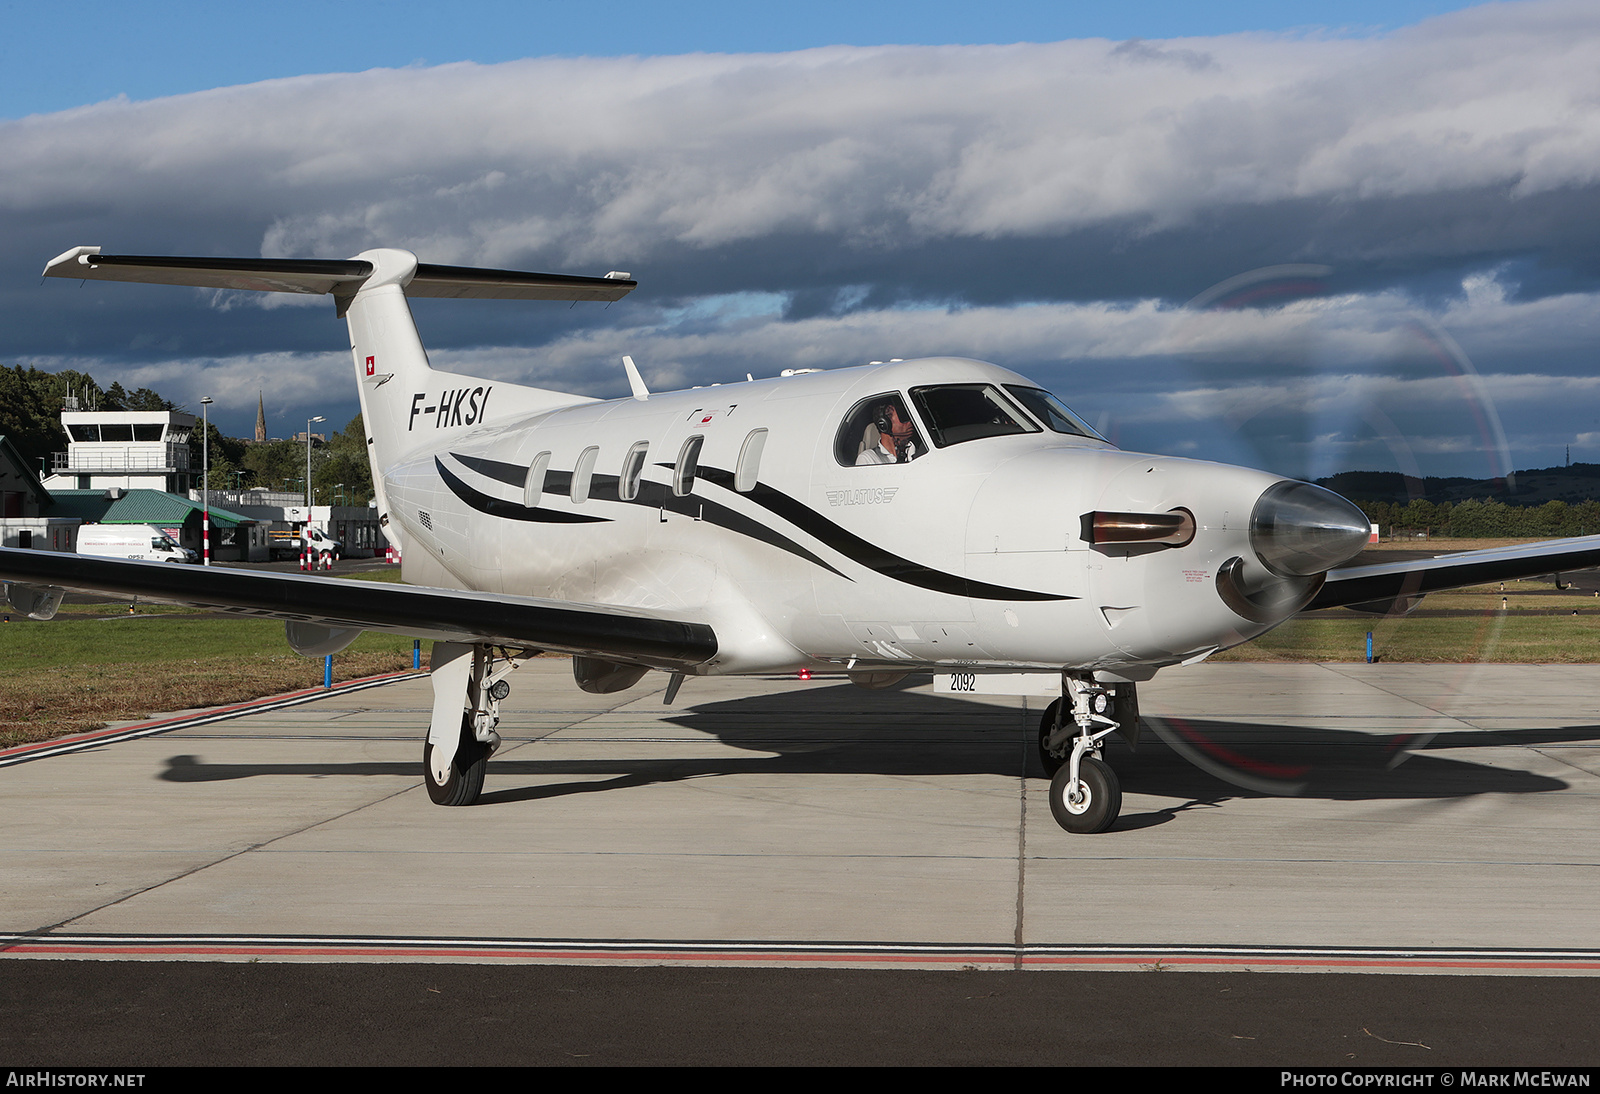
<point>1572,484</point>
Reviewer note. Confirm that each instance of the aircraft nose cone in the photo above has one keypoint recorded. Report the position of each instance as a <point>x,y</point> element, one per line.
<point>1298,529</point>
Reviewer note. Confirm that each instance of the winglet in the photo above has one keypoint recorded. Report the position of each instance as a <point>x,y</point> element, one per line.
<point>635,381</point>
<point>79,255</point>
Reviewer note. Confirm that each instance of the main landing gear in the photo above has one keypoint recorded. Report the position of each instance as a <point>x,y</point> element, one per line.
<point>460,741</point>
<point>1085,795</point>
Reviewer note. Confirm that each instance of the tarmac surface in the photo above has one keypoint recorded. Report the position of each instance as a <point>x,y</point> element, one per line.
<point>1415,819</point>
<point>1392,811</point>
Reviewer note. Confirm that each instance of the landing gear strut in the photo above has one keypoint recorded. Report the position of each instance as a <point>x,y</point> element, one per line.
<point>460,741</point>
<point>1085,795</point>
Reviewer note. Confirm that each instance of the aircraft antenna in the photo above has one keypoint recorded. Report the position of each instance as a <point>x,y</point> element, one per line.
<point>635,381</point>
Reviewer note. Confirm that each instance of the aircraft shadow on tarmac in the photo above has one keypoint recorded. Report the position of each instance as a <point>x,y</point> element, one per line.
<point>847,730</point>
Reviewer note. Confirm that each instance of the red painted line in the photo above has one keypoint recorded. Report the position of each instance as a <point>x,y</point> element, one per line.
<point>1310,963</point>
<point>531,955</point>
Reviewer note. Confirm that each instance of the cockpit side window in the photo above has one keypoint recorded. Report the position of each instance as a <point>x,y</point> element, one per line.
<point>1049,410</point>
<point>966,412</point>
<point>878,430</point>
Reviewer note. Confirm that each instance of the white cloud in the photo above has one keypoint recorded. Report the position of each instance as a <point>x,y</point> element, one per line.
<point>586,158</point>
<point>1040,205</point>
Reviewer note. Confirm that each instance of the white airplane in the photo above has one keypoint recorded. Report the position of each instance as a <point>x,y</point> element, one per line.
<point>939,515</point>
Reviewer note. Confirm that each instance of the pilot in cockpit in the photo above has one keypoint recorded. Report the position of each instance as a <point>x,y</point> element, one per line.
<point>890,437</point>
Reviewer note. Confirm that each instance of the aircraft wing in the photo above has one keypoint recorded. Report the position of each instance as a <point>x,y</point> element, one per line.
<point>1387,581</point>
<point>450,615</point>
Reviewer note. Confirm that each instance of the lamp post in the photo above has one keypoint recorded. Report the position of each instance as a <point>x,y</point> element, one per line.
<point>318,418</point>
<point>205,478</point>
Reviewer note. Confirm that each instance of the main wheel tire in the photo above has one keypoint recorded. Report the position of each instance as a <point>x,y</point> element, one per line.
<point>1099,800</point>
<point>465,782</point>
<point>1051,761</point>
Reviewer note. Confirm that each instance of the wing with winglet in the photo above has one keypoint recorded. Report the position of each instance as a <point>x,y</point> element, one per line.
<point>626,635</point>
<point>1391,581</point>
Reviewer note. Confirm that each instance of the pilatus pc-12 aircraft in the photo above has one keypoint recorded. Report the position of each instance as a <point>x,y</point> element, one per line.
<point>940,515</point>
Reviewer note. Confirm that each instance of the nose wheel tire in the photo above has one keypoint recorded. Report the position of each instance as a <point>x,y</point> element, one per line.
<point>1097,803</point>
<point>465,782</point>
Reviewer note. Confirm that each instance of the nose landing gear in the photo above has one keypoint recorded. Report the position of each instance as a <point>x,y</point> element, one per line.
<point>1085,795</point>
<point>1092,805</point>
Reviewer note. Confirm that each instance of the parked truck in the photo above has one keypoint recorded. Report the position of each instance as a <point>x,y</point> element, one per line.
<point>287,543</point>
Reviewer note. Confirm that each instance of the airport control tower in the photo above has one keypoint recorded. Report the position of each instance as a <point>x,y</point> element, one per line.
<point>128,448</point>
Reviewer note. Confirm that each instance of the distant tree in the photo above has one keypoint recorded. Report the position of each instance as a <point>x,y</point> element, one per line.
<point>344,460</point>
<point>145,399</point>
<point>30,413</point>
<point>227,454</point>
<point>274,464</point>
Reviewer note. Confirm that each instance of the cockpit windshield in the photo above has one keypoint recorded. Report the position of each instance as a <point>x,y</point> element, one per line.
<point>966,412</point>
<point>1049,410</point>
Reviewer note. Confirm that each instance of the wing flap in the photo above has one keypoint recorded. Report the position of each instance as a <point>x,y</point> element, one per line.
<point>447,615</point>
<point>1389,580</point>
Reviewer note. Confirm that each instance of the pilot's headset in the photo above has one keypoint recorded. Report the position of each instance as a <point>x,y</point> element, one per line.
<point>886,427</point>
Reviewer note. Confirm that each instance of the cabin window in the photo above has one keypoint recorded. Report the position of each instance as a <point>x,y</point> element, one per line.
<point>116,431</point>
<point>632,469</point>
<point>582,473</point>
<point>533,486</point>
<point>749,469</point>
<point>968,412</point>
<point>1049,410</point>
<point>878,430</point>
<point>79,432</point>
<point>688,466</point>
<point>147,432</point>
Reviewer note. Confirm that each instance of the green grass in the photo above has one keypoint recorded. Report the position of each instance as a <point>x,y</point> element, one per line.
<point>96,663</point>
<point>1536,625</point>
<point>69,675</point>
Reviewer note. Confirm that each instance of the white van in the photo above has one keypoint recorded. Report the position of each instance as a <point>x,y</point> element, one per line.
<point>131,541</point>
<point>321,544</point>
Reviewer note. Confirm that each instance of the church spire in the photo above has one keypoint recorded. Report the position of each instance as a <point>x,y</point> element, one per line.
<point>261,417</point>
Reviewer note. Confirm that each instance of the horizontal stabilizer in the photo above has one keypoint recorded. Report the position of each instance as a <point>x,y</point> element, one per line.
<point>631,636</point>
<point>341,277</point>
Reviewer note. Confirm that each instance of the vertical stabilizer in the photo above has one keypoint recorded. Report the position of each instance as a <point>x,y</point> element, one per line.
<point>405,404</point>
<point>390,364</point>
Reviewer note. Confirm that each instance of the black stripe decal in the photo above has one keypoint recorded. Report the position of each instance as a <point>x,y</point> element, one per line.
<point>511,510</point>
<point>870,554</point>
<point>660,496</point>
<point>652,495</point>
<point>512,474</point>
